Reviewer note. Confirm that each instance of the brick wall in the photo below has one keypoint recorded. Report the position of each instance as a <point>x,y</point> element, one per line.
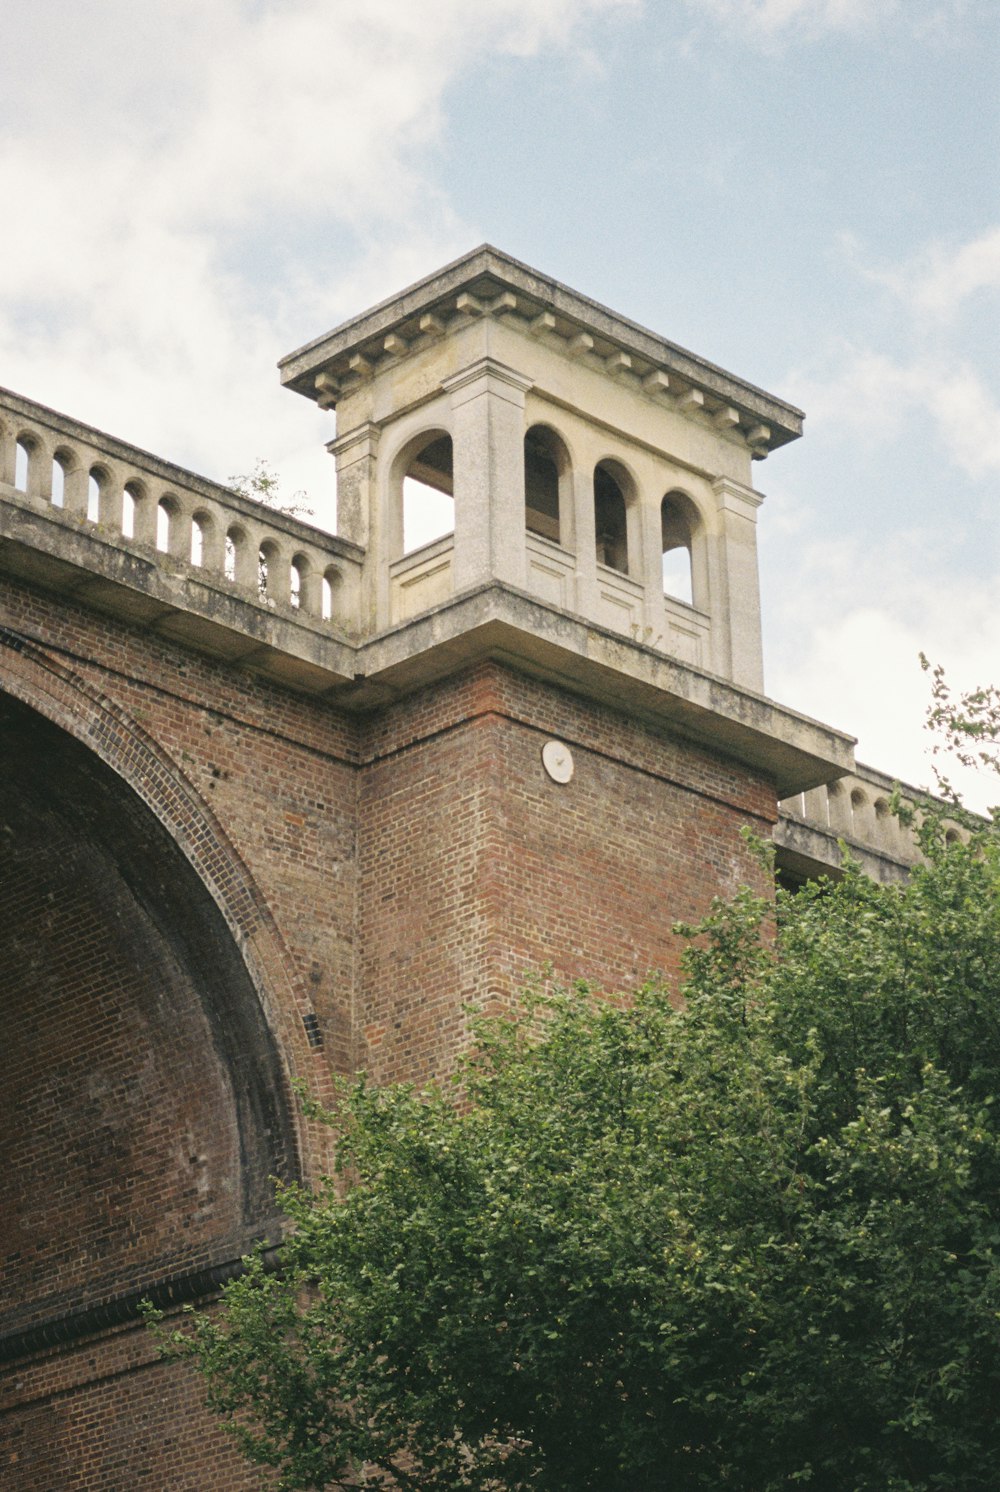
<point>342,888</point>
<point>119,1142</point>
<point>107,1416</point>
<point>476,868</point>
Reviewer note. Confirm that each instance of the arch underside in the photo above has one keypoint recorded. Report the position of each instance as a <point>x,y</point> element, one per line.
<point>143,1102</point>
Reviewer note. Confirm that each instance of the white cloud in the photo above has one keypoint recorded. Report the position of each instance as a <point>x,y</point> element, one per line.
<point>773,16</point>
<point>860,669</point>
<point>968,417</point>
<point>942,277</point>
<point>177,178</point>
<point>947,280</point>
<point>941,381</point>
<point>772,20</point>
<point>874,600</point>
<point>873,395</point>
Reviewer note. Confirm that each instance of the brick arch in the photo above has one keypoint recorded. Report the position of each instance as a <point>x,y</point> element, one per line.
<point>63,697</point>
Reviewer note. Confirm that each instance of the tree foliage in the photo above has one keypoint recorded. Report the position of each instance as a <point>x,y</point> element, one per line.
<point>747,1240</point>
<point>966,730</point>
<point>264,486</point>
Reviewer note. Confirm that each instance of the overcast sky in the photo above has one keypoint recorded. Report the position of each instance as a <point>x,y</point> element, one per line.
<point>806,192</point>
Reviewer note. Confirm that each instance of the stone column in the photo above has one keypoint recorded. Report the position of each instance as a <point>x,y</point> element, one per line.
<point>487,402</point>
<point>279,573</point>
<point>76,490</point>
<point>39,487</point>
<point>358,518</point>
<point>736,639</point>
<point>179,532</point>
<point>585,536</point>
<point>144,518</point>
<point>247,576</point>
<point>311,593</point>
<point>112,498</point>
<point>648,568</point>
<point>213,540</point>
<point>355,453</point>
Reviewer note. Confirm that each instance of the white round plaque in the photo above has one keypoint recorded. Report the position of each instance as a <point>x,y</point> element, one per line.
<point>557,759</point>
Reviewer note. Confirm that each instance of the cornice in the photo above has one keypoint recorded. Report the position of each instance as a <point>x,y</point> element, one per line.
<point>489,284</point>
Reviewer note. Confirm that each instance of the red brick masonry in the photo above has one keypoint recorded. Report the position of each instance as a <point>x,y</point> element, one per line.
<point>210,886</point>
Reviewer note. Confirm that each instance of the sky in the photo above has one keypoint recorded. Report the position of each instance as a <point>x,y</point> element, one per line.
<point>806,192</point>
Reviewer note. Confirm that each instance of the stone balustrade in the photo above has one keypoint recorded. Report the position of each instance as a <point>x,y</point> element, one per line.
<point>125,533</point>
<point>134,501</point>
<point>855,809</point>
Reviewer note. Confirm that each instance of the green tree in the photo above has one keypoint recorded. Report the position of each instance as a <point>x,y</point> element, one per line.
<point>264,486</point>
<point>967,730</point>
<point>747,1240</point>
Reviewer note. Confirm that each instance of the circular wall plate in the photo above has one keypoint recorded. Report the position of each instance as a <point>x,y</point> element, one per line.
<point>557,759</point>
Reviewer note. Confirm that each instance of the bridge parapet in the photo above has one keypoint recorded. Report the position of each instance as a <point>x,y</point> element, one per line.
<point>855,809</point>
<point>133,501</point>
<point>115,529</point>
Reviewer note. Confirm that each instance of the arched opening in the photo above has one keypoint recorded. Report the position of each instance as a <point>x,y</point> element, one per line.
<point>267,565</point>
<point>886,824</point>
<point>546,469</point>
<point>62,465</point>
<point>230,552</point>
<point>862,814</point>
<point>611,516</point>
<point>141,1096</point>
<point>331,578</point>
<point>201,528</point>
<point>23,450</point>
<point>429,494</point>
<point>296,581</point>
<point>97,479</point>
<point>165,517</point>
<point>839,807</point>
<point>678,522</point>
<point>131,498</point>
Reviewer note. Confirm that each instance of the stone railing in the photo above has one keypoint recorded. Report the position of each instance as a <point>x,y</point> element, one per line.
<point>134,501</point>
<point>855,809</point>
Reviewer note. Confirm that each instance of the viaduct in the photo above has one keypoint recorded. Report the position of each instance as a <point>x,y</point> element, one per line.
<point>276,805</point>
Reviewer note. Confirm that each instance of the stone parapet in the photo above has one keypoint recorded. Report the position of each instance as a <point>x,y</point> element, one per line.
<point>122,532</point>
<point>852,812</point>
<point>94,484</point>
<point>128,533</point>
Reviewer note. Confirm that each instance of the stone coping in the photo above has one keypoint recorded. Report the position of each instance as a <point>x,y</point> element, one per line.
<point>489,282</point>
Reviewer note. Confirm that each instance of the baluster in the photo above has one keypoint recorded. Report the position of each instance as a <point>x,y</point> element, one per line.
<point>144,514</point>
<point>246,572</point>
<point>178,527</point>
<point>112,500</point>
<point>840,809</point>
<point>278,586</point>
<point>310,588</point>
<point>213,541</point>
<point>816,805</point>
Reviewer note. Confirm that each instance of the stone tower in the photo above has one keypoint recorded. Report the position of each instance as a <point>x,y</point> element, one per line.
<point>579,449</point>
<point>277,805</point>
